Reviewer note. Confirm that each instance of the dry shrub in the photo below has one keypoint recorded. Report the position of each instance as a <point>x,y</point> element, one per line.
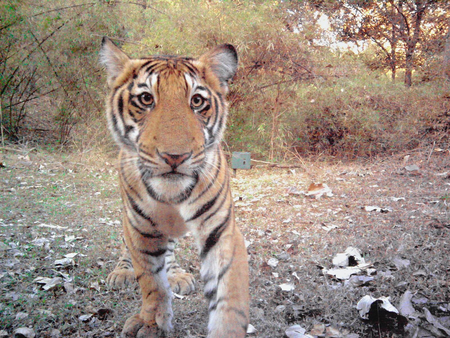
<point>291,95</point>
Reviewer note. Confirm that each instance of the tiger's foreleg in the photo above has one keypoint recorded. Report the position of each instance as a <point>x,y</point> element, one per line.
<point>148,256</point>
<point>181,282</point>
<point>123,273</point>
<point>225,274</point>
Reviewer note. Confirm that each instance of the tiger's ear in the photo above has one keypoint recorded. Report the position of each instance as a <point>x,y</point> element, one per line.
<point>113,59</point>
<point>222,61</point>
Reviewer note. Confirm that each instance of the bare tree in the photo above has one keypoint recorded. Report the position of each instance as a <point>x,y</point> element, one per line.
<point>396,27</point>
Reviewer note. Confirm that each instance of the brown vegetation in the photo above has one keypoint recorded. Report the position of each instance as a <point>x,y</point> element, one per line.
<point>296,93</point>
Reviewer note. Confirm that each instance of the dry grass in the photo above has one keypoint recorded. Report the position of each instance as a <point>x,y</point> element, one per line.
<point>81,194</point>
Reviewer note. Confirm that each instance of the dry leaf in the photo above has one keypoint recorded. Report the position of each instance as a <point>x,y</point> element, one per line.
<point>405,307</point>
<point>95,286</point>
<point>366,302</point>
<point>435,322</point>
<point>25,332</point>
<point>85,318</point>
<point>273,262</point>
<point>287,287</point>
<point>296,331</point>
<point>294,191</point>
<point>317,330</point>
<point>51,226</point>
<point>48,283</point>
<point>318,190</point>
<point>377,209</point>
<point>332,332</point>
<point>412,168</point>
<point>251,329</point>
<point>64,262</point>
<point>328,228</point>
<point>351,257</point>
<point>357,281</point>
<point>342,273</point>
<point>401,263</point>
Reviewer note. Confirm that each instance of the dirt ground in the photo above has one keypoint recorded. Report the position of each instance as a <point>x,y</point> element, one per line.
<point>60,235</point>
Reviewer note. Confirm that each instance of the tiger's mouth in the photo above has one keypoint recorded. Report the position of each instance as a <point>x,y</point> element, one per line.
<point>174,175</point>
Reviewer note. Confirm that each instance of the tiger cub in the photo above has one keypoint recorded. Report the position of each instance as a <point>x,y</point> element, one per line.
<point>168,115</point>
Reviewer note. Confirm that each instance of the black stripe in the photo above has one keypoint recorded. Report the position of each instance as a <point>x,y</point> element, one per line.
<point>158,269</point>
<point>214,236</point>
<point>124,179</point>
<point>139,210</point>
<point>135,105</point>
<point>216,111</point>
<point>224,270</point>
<point>205,207</point>
<point>128,129</point>
<point>219,166</point>
<point>192,70</point>
<point>221,203</point>
<point>214,306</point>
<point>151,191</point>
<point>211,294</point>
<point>156,253</point>
<point>151,69</point>
<point>211,137</point>
<point>120,105</point>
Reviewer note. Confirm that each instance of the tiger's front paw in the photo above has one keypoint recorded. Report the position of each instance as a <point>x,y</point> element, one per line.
<point>181,282</point>
<point>121,278</point>
<point>135,327</point>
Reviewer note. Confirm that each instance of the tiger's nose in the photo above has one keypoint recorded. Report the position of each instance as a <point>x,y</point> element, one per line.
<point>175,160</point>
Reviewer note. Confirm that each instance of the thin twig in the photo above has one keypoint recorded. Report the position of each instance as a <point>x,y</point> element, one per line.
<point>431,152</point>
<point>1,123</point>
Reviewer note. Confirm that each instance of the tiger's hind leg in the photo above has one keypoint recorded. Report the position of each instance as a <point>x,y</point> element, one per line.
<point>123,275</point>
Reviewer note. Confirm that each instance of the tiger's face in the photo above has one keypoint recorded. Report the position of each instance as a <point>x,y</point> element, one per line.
<point>168,113</point>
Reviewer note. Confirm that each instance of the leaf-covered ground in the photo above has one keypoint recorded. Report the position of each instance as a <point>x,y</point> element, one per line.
<point>60,235</point>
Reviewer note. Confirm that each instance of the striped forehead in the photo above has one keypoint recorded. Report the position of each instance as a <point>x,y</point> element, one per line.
<point>168,74</point>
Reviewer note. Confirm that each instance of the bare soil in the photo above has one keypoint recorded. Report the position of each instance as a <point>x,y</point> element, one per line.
<point>52,205</point>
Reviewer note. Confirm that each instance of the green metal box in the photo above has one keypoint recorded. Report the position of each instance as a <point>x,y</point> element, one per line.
<point>240,160</point>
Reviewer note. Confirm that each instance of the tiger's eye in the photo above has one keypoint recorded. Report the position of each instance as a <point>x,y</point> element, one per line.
<point>197,101</point>
<point>146,99</point>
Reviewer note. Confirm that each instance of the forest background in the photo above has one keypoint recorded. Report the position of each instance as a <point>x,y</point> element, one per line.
<point>337,78</point>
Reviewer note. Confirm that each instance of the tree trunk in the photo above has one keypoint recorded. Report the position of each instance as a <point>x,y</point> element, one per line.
<point>446,65</point>
<point>409,64</point>
<point>393,42</point>
<point>412,42</point>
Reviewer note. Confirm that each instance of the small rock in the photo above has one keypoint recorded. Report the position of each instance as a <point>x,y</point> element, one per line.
<point>3,334</point>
